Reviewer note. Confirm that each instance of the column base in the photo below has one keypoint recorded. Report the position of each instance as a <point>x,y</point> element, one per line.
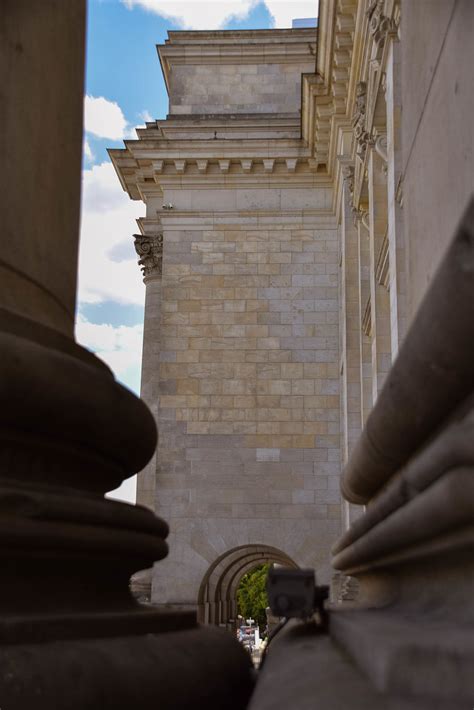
<point>177,670</point>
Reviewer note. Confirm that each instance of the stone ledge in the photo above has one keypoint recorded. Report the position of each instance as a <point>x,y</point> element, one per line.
<point>401,652</point>
<point>305,670</point>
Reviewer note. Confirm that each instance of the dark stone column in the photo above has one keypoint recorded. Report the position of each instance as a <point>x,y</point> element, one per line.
<point>71,634</point>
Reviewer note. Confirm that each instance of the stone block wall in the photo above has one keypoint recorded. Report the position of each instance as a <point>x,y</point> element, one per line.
<point>236,88</point>
<point>249,391</point>
<point>237,71</point>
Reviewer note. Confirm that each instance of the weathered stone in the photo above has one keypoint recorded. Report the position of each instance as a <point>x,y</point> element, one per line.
<point>245,388</point>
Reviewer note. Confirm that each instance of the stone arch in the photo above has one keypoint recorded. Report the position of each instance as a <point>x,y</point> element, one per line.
<point>217,603</point>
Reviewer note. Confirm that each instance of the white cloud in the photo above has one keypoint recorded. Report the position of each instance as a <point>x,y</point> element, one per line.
<point>196,14</point>
<point>214,14</point>
<point>108,268</point>
<point>104,118</point>
<point>284,11</point>
<point>121,348</point>
<point>87,150</point>
<point>118,346</point>
<point>146,116</point>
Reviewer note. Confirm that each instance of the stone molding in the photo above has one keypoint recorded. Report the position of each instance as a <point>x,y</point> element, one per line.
<point>354,45</point>
<point>380,25</point>
<point>139,179</point>
<point>348,173</point>
<point>329,97</point>
<point>361,135</point>
<point>150,250</point>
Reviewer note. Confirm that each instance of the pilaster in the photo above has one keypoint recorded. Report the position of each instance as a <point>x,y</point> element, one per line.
<point>149,247</point>
<point>379,297</point>
<point>396,235</point>
<point>365,314</point>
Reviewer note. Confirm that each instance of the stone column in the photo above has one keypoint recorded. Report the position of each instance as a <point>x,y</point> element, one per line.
<point>350,330</point>
<point>379,297</point>
<point>350,267</point>
<point>39,184</point>
<point>68,431</point>
<point>364,315</point>
<point>149,248</point>
<point>396,236</point>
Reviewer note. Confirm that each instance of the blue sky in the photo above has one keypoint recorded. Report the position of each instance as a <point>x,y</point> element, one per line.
<point>124,88</point>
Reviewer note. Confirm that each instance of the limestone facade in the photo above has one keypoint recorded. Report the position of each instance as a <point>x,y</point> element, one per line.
<point>241,328</point>
<point>300,234</point>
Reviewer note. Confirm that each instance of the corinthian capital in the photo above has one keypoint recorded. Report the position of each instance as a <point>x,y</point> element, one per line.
<point>380,25</point>
<point>149,248</point>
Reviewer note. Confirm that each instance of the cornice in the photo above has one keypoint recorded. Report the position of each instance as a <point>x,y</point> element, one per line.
<point>217,163</point>
<point>334,58</point>
<point>189,37</point>
<point>353,41</point>
<point>223,54</point>
<point>245,173</point>
<point>213,148</point>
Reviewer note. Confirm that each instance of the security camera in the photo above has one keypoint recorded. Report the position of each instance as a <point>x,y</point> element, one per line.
<point>292,593</point>
<point>168,206</point>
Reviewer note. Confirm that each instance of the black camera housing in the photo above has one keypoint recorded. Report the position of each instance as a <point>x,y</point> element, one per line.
<point>291,592</point>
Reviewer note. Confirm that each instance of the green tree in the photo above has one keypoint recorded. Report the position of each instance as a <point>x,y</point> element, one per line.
<point>252,597</point>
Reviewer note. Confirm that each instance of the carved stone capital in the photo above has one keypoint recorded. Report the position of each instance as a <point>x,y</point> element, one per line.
<point>150,250</point>
<point>378,141</point>
<point>380,146</point>
<point>361,135</point>
<point>348,174</point>
<point>380,25</point>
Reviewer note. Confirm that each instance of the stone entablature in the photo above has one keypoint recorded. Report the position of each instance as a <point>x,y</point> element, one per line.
<point>148,161</point>
<point>325,95</point>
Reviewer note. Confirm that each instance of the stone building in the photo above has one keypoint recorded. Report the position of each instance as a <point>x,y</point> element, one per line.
<point>300,198</point>
<point>386,140</point>
<point>239,249</point>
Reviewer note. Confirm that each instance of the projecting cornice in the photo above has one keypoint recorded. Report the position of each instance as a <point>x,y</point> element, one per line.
<point>325,96</point>
<point>216,173</point>
<point>351,54</point>
<point>145,166</point>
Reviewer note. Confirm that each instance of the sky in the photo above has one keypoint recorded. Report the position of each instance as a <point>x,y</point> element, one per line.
<point>124,88</point>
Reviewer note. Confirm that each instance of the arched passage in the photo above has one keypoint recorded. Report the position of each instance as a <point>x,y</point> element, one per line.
<point>217,602</point>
